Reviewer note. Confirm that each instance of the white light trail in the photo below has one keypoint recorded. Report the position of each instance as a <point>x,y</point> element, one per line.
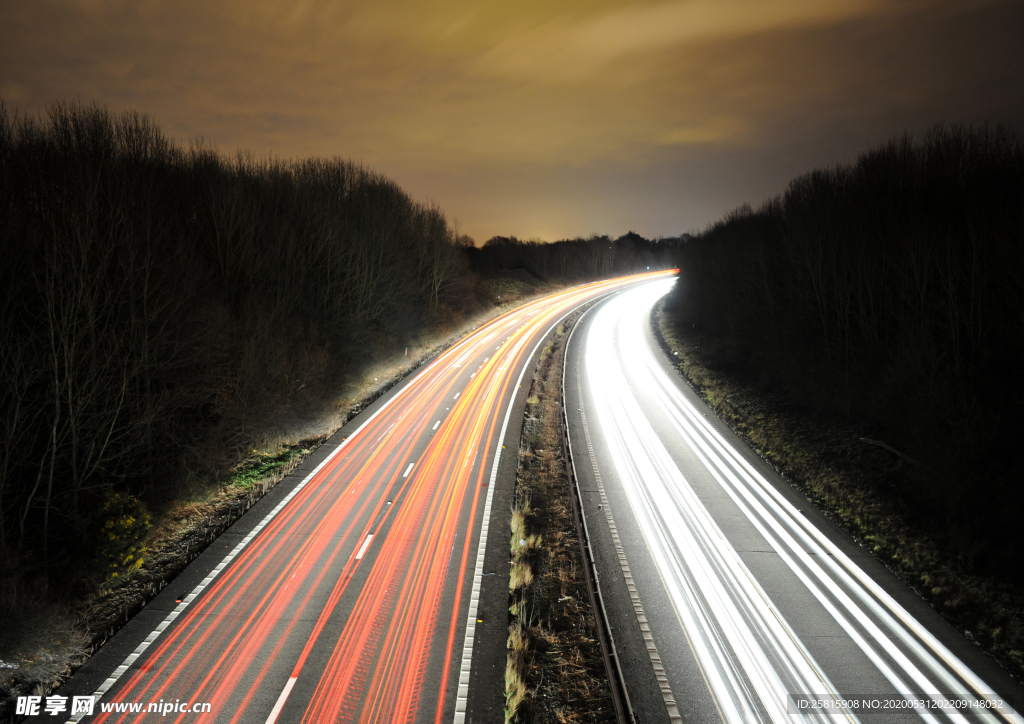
<point>750,654</point>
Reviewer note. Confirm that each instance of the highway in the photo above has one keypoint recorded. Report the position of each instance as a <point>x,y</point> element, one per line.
<point>730,598</point>
<point>356,598</point>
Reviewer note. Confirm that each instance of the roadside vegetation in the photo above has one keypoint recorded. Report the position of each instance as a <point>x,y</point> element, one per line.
<point>166,313</point>
<point>158,305</point>
<point>864,332</point>
<point>178,328</point>
<point>555,671</point>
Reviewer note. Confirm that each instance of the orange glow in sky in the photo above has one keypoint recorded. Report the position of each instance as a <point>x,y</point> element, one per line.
<point>549,119</point>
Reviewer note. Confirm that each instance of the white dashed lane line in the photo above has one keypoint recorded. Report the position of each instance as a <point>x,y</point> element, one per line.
<point>364,546</point>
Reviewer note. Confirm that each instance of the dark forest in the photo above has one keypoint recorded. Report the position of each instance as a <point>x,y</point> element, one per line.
<point>890,292</point>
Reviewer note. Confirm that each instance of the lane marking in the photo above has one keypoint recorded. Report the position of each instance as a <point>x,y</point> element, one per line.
<point>435,425</point>
<point>456,395</point>
<point>698,565</point>
<point>280,701</point>
<point>180,608</point>
<point>387,431</point>
<point>364,546</point>
<point>408,470</point>
<point>462,697</point>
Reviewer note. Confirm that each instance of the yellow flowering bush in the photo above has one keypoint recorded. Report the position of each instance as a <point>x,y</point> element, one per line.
<point>124,524</point>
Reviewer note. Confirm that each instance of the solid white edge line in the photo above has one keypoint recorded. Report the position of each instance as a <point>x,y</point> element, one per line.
<point>281,700</point>
<point>467,648</point>
<point>180,608</point>
<point>364,546</point>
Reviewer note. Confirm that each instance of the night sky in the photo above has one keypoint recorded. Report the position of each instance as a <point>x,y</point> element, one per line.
<point>539,119</point>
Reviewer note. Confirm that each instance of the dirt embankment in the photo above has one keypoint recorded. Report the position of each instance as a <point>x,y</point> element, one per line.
<point>555,670</point>
<point>856,482</point>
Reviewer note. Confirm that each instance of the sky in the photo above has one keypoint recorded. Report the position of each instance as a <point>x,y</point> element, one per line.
<point>540,119</point>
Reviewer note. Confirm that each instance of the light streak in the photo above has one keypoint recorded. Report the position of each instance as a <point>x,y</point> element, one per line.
<point>750,653</point>
<point>264,611</point>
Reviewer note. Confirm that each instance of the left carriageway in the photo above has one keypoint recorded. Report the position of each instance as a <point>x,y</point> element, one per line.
<point>351,592</point>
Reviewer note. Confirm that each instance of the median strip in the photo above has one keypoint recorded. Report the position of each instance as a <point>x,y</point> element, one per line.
<point>554,665</point>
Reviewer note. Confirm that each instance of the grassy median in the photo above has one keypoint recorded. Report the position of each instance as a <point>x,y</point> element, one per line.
<point>555,671</point>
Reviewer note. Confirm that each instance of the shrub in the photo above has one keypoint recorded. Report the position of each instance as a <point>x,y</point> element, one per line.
<point>124,526</point>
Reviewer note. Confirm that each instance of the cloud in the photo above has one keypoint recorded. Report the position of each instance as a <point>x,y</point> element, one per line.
<point>718,130</point>
<point>507,111</point>
<point>571,50</point>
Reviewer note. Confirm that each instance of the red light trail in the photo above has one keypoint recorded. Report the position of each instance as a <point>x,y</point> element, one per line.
<point>315,620</point>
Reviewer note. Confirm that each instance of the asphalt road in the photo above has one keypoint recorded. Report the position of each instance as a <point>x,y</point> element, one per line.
<point>356,592</point>
<point>731,598</point>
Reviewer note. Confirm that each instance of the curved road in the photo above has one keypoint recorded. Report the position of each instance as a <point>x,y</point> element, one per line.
<point>731,599</point>
<point>356,597</point>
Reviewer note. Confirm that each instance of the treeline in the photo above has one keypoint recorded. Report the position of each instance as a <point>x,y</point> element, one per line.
<point>162,305</point>
<point>575,260</point>
<point>891,291</point>
<point>158,303</point>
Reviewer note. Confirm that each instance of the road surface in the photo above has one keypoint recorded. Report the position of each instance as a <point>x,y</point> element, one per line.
<point>356,597</point>
<point>731,599</point>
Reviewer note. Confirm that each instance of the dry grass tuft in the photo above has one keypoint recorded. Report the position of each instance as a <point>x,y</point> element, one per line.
<point>515,689</point>
<point>521,576</point>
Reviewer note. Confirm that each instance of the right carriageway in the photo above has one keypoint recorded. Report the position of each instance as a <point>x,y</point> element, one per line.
<point>730,599</point>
